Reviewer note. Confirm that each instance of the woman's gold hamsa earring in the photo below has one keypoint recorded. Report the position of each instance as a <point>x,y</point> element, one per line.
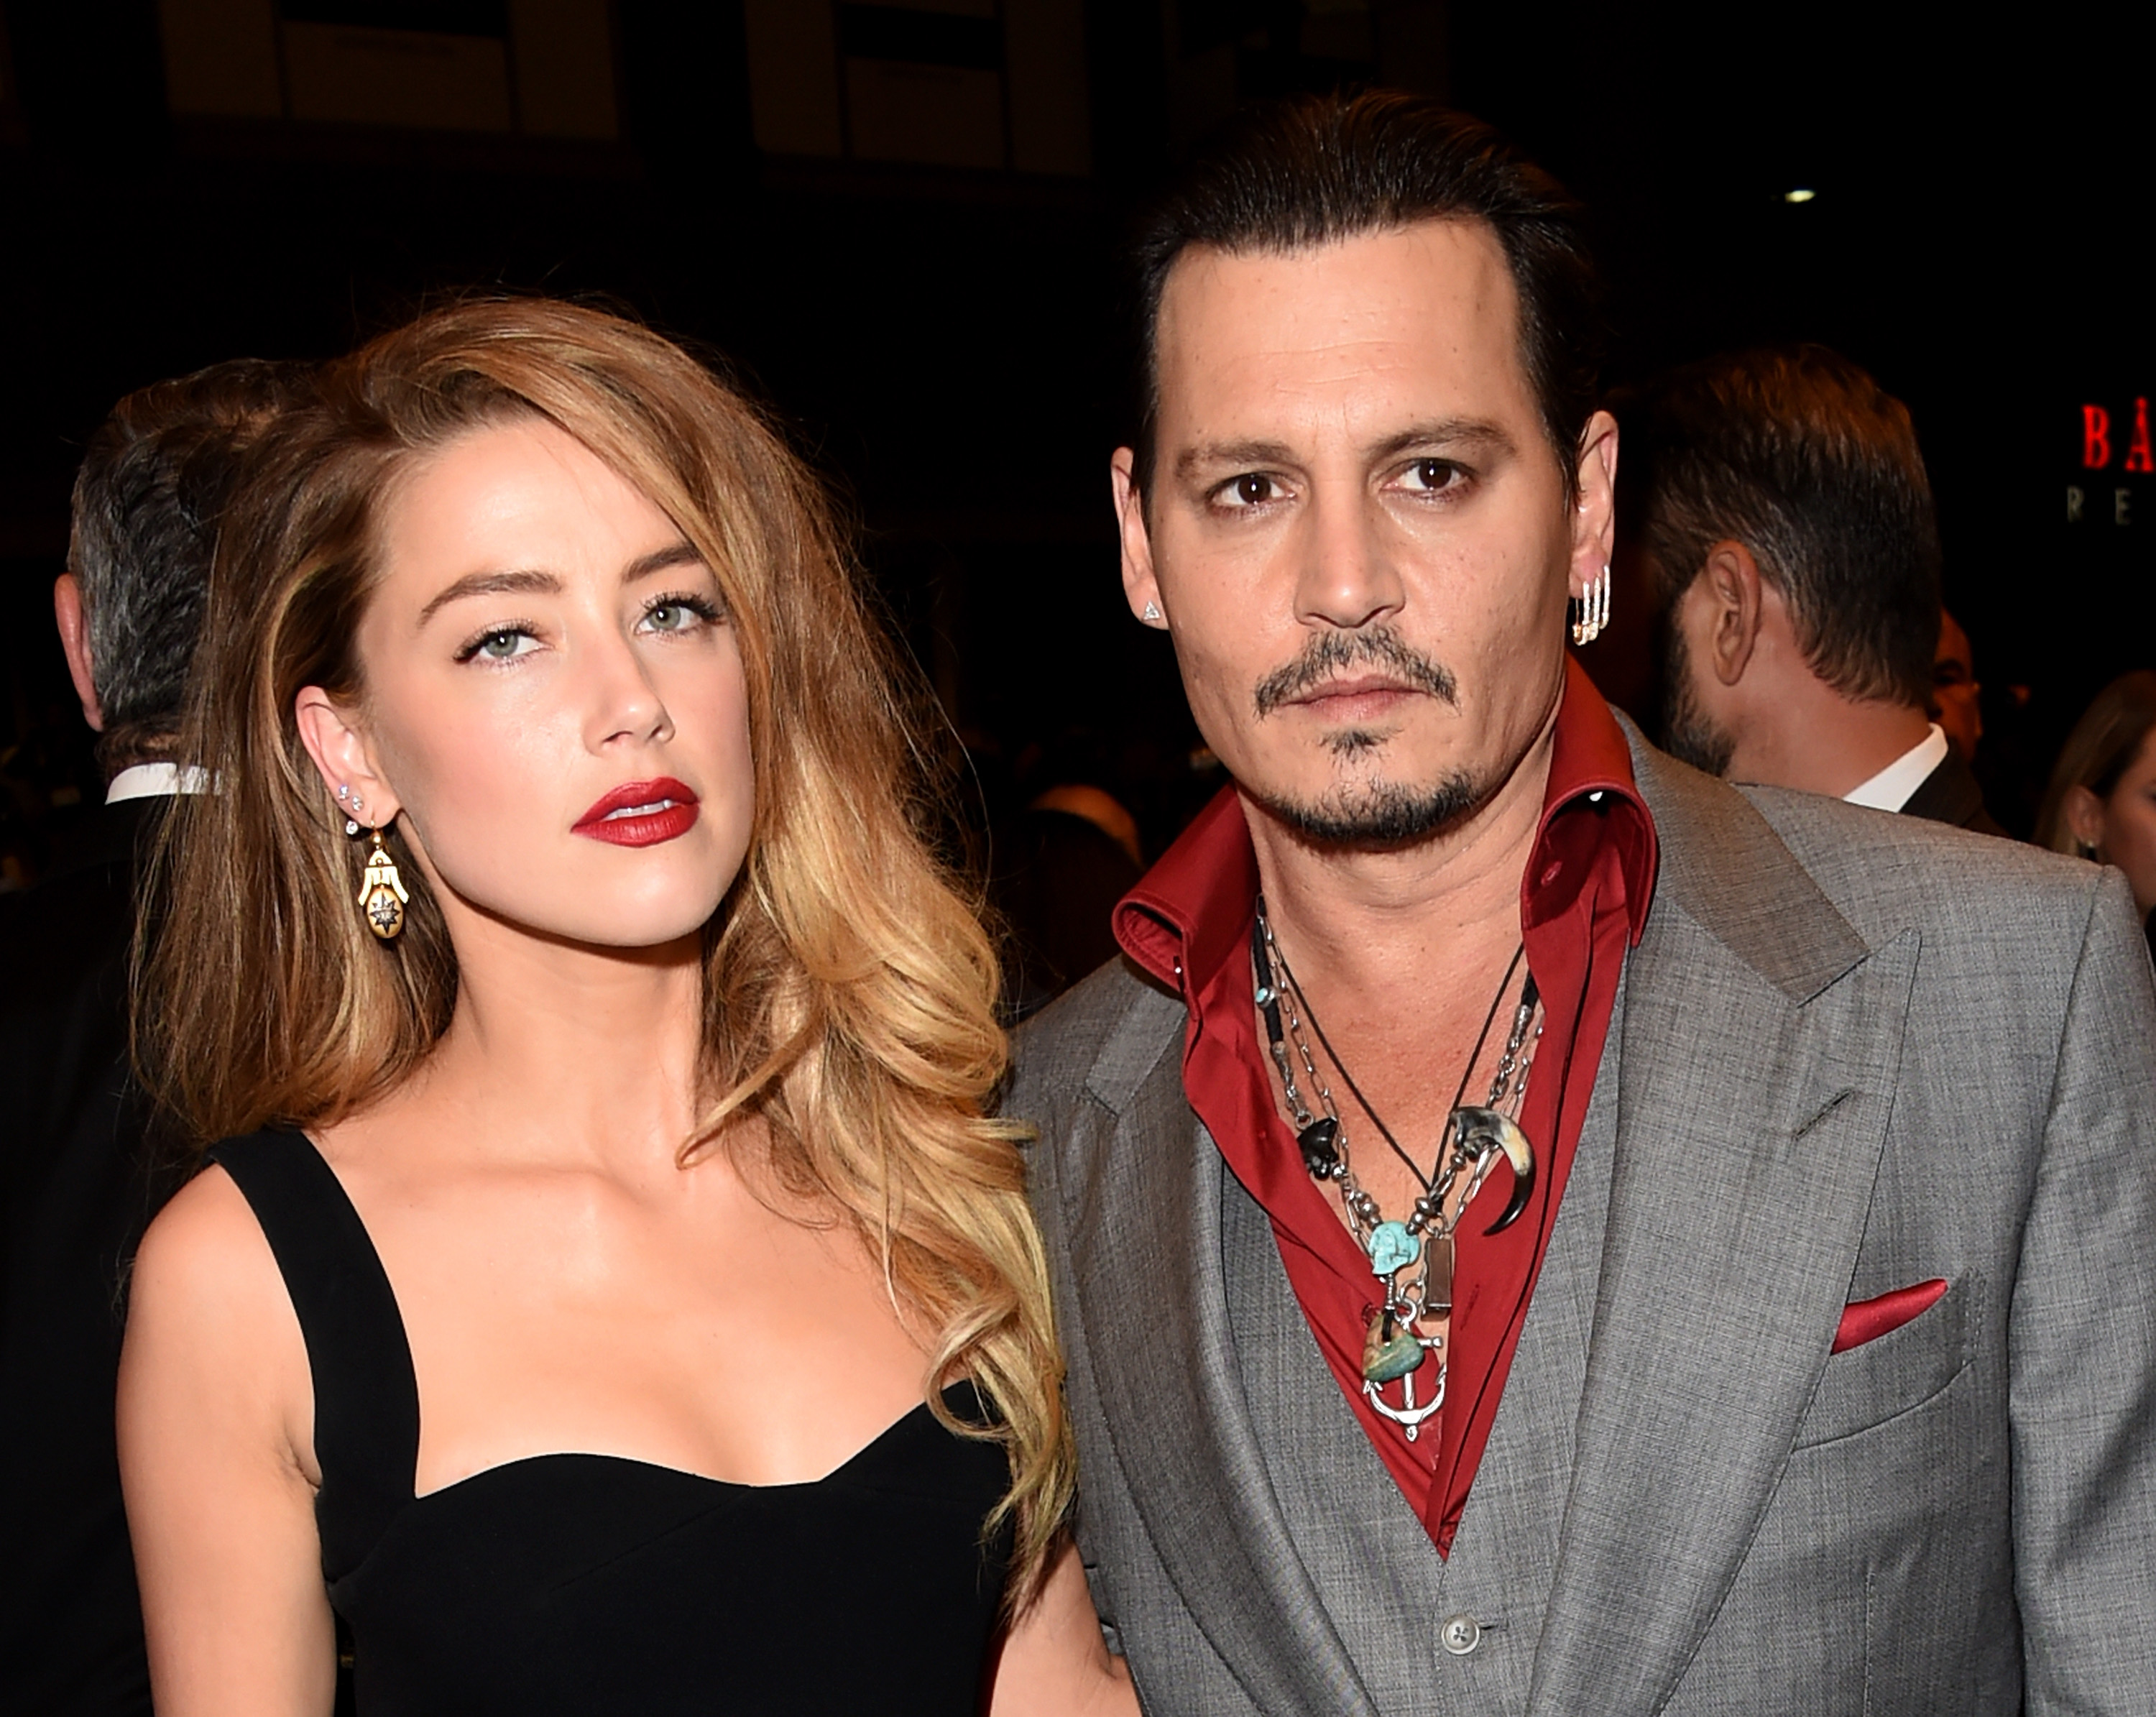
<point>382,894</point>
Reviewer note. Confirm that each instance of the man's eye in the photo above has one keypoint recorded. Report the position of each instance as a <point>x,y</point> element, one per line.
<point>1431,475</point>
<point>1250,490</point>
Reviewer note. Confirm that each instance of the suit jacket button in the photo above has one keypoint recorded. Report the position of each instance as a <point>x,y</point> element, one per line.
<point>1460,1635</point>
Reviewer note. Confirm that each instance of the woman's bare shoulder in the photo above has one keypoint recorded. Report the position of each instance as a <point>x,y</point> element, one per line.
<point>206,1266</point>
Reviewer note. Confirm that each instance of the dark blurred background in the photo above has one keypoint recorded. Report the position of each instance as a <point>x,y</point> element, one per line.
<point>898,223</point>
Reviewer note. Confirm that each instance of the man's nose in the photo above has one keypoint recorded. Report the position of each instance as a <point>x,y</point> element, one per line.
<point>1346,578</point>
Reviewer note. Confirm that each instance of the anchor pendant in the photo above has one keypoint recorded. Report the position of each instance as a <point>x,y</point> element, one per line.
<point>1385,1356</point>
<point>1407,1415</point>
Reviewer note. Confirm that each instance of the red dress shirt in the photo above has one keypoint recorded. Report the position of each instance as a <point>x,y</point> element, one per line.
<point>1583,898</point>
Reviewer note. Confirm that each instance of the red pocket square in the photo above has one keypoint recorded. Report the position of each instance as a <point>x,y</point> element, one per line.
<point>1868,1319</point>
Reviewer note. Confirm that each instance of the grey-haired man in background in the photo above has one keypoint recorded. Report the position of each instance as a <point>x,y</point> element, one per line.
<point>76,1170</point>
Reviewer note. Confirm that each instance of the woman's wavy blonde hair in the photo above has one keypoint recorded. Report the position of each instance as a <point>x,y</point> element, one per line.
<point>850,991</point>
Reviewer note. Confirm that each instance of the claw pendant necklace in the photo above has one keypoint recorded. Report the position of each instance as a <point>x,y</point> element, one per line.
<point>1412,1257</point>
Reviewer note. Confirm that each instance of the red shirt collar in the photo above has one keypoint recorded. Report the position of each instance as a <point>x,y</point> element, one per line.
<point>1191,912</point>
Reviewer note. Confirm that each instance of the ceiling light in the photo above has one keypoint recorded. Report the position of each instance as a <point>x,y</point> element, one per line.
<point>1799,196</point>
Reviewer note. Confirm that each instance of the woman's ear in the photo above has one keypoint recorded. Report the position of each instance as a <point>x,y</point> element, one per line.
<point>338,744</point>
<point>2085,817</point>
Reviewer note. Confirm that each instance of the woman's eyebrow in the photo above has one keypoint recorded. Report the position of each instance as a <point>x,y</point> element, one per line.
<point>497,584</point>
<point>494,584</point>
<point>683,553</point>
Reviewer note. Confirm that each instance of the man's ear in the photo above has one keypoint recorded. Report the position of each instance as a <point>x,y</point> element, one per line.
<point>1594,519</point>
<point>1141,588</point>
<point>1731,578</point>
<point>339,745</point>
<point>2084,816</point>
<point>74,644</point>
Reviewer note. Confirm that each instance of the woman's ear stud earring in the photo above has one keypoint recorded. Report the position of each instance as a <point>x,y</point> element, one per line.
<point>1152,611</point>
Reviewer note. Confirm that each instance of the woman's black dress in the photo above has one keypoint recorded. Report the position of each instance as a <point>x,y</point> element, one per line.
<point>593,1584</point>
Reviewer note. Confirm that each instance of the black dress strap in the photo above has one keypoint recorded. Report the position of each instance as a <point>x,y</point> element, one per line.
<point>366,1397</point>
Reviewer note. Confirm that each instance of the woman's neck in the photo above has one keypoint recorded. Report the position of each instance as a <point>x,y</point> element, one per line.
<point>586,1055</point>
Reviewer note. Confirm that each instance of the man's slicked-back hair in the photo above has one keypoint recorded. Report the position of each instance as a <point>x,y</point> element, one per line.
<point>1801,456</point>
<point>148,497</point>
<point>1307,170</point>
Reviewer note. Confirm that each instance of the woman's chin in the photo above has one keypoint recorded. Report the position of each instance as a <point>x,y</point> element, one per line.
<point>657,931</point>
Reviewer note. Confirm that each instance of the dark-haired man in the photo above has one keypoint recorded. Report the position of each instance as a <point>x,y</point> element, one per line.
<point>1534,1229</point>
<point>79,1187</point>
<point>1784,522</point>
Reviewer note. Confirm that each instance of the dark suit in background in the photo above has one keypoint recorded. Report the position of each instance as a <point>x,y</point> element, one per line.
<point>78,1191</point>
<point>76,1184</point>
<point>1949,794</point>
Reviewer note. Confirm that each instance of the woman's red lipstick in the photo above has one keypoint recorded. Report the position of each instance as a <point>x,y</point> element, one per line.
<point>641,814</point>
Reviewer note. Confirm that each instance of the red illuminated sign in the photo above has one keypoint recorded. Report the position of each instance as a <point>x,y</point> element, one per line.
<point>2097,440</point>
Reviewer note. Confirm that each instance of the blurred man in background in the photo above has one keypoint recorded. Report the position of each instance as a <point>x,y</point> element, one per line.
<point>1779,504</point>
<point>1956,694</point>
<point>77,1175</point>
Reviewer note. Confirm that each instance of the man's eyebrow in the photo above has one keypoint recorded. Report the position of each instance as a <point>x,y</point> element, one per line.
<point>1437,433</point>
<point>491,584</point>
<point>1442,433</point>
<point>1214,455</point>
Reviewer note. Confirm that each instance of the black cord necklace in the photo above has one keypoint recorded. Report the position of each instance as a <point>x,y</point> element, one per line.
<point>1528,997</point>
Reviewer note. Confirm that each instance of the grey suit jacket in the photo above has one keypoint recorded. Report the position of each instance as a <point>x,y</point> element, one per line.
<point>1855,1052</point>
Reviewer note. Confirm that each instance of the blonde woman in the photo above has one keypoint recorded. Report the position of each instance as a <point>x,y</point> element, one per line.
<point>606,1293</point>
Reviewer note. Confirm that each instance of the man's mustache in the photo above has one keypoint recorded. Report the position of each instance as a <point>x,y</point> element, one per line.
<point>1328,654</point>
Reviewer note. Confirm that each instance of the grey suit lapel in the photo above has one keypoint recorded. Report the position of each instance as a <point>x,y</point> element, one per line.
<point>1142,1213</point>
<point>1758,1057</point>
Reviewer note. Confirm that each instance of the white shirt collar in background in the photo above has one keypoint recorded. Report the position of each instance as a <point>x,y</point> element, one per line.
<point>1889,790</point>
<point>155,781</point>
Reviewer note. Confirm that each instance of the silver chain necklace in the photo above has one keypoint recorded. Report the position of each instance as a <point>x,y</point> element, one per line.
<point>1413,1256</point>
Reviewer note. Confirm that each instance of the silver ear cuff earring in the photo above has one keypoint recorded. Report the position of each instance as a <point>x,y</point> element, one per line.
<point>1590,613</point>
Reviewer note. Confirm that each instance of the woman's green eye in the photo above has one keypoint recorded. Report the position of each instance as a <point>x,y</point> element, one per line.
<point>499,645</point>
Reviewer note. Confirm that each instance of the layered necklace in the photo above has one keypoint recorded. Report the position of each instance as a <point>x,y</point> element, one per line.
<point>1410,1255</point>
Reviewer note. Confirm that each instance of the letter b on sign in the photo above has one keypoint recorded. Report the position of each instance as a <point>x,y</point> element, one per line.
<point>2096,438</point>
